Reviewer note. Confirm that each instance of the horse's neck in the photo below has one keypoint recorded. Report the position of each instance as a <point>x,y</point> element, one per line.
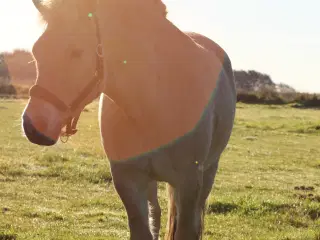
<point>137,49</point>
<point>137,38</point>
<point>160,82</point>
<point>154,69</point>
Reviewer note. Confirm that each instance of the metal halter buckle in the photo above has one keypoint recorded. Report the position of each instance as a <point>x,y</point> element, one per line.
<point>64,137</point>
<point>99,50</point>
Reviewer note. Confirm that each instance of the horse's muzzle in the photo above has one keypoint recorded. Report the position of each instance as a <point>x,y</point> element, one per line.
<point>34,135</point>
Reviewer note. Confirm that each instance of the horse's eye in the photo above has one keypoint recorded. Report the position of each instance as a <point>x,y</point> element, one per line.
<point>76,53</point>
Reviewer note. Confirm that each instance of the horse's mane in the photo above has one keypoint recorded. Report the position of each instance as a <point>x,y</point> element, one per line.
<point>57,6</point>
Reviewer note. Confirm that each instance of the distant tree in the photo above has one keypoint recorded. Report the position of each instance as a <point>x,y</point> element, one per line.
<point>285,88</point>
<point>252,80</point>
<point>21,66</point>
<point>4,72</point>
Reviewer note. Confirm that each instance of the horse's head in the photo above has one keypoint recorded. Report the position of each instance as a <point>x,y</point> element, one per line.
<point>67,60</point>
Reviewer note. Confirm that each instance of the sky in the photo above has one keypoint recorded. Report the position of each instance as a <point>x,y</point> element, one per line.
<point>278,37</point>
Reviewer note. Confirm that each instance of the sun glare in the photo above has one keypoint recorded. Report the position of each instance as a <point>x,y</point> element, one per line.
<point>20,25</point>
<point>251,44</point>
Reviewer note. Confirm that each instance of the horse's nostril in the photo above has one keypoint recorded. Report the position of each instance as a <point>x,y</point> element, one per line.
<point>27,126</point>
<point>34,135</point>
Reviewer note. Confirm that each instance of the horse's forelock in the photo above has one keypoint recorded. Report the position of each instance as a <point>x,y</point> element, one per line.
<point>51,7</point>
<point>56,7</point>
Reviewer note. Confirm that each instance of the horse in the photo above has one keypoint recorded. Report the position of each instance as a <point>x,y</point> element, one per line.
<point>167,103</point>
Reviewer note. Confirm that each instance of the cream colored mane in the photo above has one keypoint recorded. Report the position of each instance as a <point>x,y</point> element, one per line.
<point>55,7</point>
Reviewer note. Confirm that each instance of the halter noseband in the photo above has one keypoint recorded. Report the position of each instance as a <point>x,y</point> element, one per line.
<point>44,94</point>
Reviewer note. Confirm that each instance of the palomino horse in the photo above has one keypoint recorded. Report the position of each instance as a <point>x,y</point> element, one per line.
<point>167,103</point>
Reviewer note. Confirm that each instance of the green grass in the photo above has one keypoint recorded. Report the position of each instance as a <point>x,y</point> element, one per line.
<point>66,191</point>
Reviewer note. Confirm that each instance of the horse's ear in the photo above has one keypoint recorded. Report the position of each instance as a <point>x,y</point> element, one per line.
<point>41,6</point>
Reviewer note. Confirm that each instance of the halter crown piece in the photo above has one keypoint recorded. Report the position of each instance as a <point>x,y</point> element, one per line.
<point>44,94</point>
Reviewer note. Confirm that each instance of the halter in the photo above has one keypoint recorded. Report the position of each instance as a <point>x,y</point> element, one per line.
<point>44,94</point>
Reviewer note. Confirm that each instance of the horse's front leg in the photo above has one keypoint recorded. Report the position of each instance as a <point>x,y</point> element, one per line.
<point>132,187</point>
<point>154,209</point>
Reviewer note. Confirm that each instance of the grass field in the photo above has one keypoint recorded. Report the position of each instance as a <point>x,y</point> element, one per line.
<point>267,186</point>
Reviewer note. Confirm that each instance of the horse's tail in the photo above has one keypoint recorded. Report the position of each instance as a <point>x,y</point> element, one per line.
<point>172,212</point>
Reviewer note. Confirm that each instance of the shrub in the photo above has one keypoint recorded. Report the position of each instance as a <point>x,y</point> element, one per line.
<point>15,91</point>
<point>308,100</point>
<point>248,97</point>
<point>263,96</point>
<point>6,90</point>
<point>22,91</point>
<point>268,95</point>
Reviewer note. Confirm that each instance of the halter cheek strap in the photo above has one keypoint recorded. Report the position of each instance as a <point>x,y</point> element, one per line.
<point>44,94</point>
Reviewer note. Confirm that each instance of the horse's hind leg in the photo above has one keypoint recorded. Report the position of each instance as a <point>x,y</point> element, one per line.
<point>154,209</point>
<point>208,180</point>
<point>189,212</point>
<point>132,187</point>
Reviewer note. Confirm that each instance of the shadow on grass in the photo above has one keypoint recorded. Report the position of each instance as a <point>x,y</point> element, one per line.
<point>266,208</point>
<point>314,214</point>
<point>4,236</point>
<point>276,207</point>
<point>221,208</point>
